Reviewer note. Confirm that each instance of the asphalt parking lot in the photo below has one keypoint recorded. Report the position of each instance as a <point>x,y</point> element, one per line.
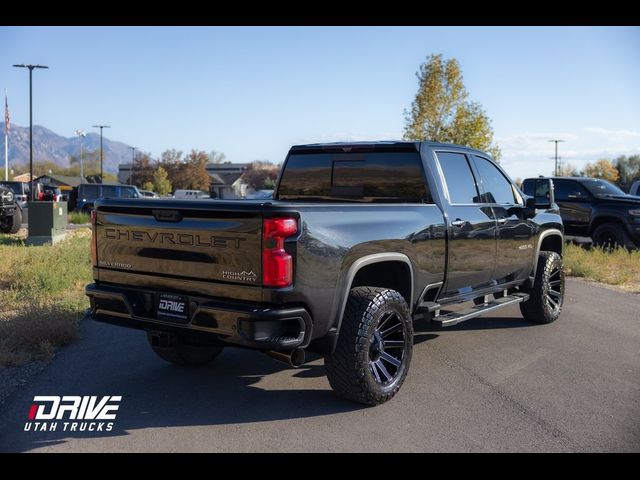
<point>491,384</point>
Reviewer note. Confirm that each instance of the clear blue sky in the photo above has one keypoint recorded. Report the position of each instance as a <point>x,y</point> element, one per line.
<point>252,92</point>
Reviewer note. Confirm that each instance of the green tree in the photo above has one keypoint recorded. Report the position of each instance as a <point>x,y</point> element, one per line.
<point>601,169</point>
<point>629,169</point>
<point>442,112</point>
<point>148,186</point>
<point>161,183</point>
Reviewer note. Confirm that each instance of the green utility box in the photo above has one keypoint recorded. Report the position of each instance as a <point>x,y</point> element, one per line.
<point>47,222</point>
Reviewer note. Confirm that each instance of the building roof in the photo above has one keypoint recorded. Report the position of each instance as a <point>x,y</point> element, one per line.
<point>23,177</point>
<point>222,179</point>
<point>64,179</point>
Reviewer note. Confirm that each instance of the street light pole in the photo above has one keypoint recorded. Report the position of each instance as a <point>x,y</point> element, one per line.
<point>556,141</point>
<point>81,134</point>
<point>31,67</point>
<point>133,157</point>
<point>101,127</point>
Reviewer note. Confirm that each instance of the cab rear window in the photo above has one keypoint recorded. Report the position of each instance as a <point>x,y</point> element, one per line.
<point>375,177</point>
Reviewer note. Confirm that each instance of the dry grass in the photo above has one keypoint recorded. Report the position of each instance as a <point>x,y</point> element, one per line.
<point>41,296</point>
<point>620,267</point>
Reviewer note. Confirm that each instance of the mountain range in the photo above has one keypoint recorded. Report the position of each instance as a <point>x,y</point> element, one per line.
<point>48,145</point>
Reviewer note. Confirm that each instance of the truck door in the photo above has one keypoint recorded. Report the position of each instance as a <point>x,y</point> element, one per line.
<point>575,206</point>
<point>471,227</point>
<point>515,233</point>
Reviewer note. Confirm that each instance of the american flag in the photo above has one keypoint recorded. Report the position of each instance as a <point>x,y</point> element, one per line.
<point>6,115</point>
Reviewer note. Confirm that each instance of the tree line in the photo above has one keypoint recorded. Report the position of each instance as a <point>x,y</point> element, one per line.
<point>171,171</point>
<point>622,170</point>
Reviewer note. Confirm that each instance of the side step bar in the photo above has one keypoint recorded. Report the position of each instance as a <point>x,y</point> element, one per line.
<point>447,319</point>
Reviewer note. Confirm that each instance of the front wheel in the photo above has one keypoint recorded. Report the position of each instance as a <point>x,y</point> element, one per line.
<point>547,293</point>
<point>373,353</point>
<point>14,223</point>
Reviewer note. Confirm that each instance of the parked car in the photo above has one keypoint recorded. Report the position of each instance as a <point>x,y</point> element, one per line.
<point>359,240</point>
<point>148,194</point>
<point>89,192</point>
<point>49,193</point>
<point>635,189</point>
<point>10,211</point>
<point>596,208</point>
<point>190,194</point>
<point>19,189</point>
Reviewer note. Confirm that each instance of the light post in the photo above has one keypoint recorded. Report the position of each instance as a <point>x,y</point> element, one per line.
<point>133,157</point>
<point>81,134</point>
<point>101,127</point>
<point>31,67</point>
<point>556,141</point>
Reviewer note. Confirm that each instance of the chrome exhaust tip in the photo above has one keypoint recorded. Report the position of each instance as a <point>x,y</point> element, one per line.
<point>293,358</point>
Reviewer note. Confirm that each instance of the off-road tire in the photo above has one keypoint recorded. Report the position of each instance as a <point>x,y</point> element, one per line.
<point>348,369</point>
<point>14,223</point>
<point>185,354</point>
<point>610,236</point>
<point>540,307</point>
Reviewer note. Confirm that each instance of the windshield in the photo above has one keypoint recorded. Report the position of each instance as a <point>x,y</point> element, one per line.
<point>14,186</point>
<point>601,188</point>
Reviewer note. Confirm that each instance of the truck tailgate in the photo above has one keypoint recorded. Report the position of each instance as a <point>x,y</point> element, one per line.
<point>215,241</point>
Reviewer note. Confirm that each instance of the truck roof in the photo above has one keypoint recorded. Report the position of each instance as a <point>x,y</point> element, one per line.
<point>377,145</point>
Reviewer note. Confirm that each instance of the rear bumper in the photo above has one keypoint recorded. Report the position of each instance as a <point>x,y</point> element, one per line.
<point>254,326</point>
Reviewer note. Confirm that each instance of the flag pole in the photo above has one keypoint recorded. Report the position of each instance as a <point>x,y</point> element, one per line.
<point>6,138</point>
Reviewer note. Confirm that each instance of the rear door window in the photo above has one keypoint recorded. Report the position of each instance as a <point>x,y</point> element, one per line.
<point>109,191</point>
<point>90,192</point>
<point>458,177</point>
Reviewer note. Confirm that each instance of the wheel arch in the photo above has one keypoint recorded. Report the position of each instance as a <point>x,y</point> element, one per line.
<point>551,240</point>
<point>368,269</point>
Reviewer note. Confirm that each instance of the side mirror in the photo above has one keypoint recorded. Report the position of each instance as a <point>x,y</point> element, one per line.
<point>544,195</point>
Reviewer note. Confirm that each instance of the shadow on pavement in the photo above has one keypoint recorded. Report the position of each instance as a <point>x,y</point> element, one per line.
<point>239,387</point>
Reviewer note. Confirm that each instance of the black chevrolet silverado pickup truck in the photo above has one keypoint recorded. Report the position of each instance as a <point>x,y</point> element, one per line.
<point>10,211</point>
<point>591,207</point>
<point>358,241</point>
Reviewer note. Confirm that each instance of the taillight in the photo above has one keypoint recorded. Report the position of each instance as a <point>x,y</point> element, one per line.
<point>94,239</point>
<point>277,264</point>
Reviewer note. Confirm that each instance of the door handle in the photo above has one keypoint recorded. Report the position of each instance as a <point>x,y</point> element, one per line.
<point>458,223</point>
<point>502,220</point>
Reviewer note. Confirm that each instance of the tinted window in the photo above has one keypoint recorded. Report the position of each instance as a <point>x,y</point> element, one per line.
<point>601,187</point>
<point>362,177</point>
<point>458,176</point>
<point>497,189</point>
<point>569,190</point>
<point>127,192</point>
<point>90,192</point>
<point>16,187</point>
<point>108,191</point>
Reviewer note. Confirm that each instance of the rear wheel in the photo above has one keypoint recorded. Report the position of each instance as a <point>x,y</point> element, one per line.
<point>547,293</point>
<point>173,349</point>
<point>373,353</point>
